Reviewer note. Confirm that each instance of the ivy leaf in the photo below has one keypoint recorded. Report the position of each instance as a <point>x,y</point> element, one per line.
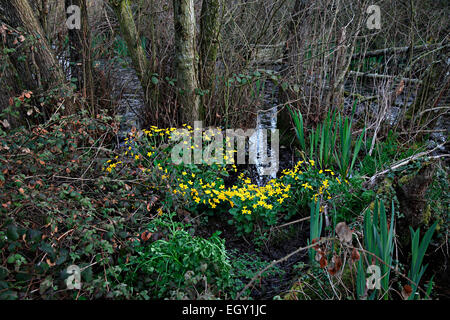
<point>12,232</point>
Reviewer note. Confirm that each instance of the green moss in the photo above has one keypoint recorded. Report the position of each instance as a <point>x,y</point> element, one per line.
<point>386,187</point>
<point>426,217</point>
<point>405,179</point>
<point>304,289</point>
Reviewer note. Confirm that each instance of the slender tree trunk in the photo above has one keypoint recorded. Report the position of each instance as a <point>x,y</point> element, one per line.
<point>186,59</point>
<point>130,34</point>
<point>43,15</point>
<point>299,7</point>
<point>80,52</point>
<point>209,44</point>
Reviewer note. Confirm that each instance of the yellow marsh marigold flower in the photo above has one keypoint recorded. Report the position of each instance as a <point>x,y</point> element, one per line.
<point>307,186</point>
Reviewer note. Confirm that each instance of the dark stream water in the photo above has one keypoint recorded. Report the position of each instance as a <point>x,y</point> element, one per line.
<point>127,93</point>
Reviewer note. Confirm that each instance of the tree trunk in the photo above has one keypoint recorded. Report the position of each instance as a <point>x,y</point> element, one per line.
<point>209,44</point>
<point>41,68</point>
<point>185,59</point>
<point>130,34</point>
<point>43,15</point>
<point>80,52</point>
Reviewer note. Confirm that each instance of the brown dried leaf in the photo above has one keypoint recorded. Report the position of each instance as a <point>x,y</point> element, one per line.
<point>406,292</point>
<point>355,255</point>
<point>400,88</point>
<point>344,233</point>
<point>316,247</point>
<point>323,262</point>
<point>50,264</point>
<point>337,264</point>
<point>146,235</point>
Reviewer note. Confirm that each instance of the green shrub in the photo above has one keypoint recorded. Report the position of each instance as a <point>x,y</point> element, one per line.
<point>385,153</point>
<point>324,145</point>
<point>202,188</point>
<point>57,208</point>
<point>179,266</point>
<point>245,267</point>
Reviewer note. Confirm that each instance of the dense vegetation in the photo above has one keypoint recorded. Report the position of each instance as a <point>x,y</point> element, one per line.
<point>363,180</point>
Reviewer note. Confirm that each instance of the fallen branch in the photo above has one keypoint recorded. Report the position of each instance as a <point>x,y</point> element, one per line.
<point>382,76</point>
<point>277,262</point>
<point>404,162</point>
<point>292,222</point>
<point>434,109</point>
<point>389,51</point>
<point>360,97</point>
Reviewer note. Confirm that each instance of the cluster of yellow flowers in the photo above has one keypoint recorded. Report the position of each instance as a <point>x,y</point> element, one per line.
<point>214,193</point>
<point>249,196</point>
<point>245,195</point>
<point>111,165</point>
<point>174,134</point>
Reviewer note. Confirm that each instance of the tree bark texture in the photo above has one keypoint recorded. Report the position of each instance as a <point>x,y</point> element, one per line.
<point>40,69</point>
<point>185,59</point>
<point>209,43</point>
<point>80,52</point>
<point>131,36</point>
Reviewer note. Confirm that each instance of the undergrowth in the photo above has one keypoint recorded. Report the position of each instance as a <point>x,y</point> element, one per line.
<point>127,218</point>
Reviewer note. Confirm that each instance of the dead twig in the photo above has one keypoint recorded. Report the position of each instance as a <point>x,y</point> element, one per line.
<point>404,162</point>
<point>277,262</point>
